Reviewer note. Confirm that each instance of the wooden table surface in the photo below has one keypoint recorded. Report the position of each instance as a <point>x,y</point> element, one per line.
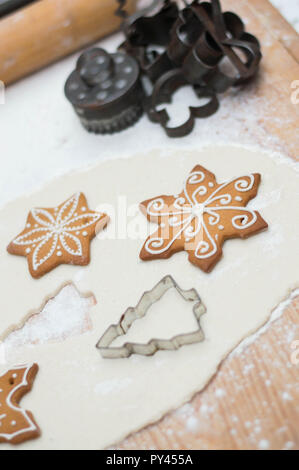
<point>253,401</point>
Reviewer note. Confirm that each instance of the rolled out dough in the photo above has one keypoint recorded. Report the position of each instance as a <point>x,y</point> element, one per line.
<point>82,401</point>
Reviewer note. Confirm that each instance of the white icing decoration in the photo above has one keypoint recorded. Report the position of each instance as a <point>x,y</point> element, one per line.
<point>38,261</point>
<point>188,208</point>
<point>65,238</point>
<point>73,202</point>
<point>243,185</point>
<point>37,213</point>
<point>56,229</point>
<point>31,425</point>
<point>38,233</point>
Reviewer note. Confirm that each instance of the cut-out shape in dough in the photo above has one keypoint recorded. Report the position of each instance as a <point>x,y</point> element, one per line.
<point>59,235</point>
<point>16,425</point>
<point>132,314</point>
<point>201,218</point>
<point>62,316</point>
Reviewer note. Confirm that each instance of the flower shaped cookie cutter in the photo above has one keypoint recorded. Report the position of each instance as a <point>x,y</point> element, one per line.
<point>135,313</point>
<point>198,45</point>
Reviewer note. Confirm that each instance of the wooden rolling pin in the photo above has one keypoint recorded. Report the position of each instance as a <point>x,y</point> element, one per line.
<point>47,30</point>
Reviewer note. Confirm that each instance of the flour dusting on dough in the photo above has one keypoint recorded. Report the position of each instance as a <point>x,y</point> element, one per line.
<point>230,317</point>
<point>65,315</point>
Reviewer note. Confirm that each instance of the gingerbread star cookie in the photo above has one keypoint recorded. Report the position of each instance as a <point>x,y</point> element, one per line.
<point>60,235</point>
<point>201,218</point>
<point>16,424</point>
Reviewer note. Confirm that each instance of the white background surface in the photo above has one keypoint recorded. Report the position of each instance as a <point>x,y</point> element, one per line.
<point>289,9</point>
<point>41,137</point>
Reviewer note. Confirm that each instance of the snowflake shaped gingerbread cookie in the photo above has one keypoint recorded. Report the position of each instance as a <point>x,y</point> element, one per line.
<point>16,425</point>
<point>59,235</point>
<point>201,218</point>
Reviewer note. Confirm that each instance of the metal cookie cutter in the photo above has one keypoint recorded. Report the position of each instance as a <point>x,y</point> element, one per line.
<point>203,35</point>
<point>142,32</point>
<point>154,345</point>
<point>140,24</point>
<point>105,91</point>
<point>163,91</point>
<point>189,47</point>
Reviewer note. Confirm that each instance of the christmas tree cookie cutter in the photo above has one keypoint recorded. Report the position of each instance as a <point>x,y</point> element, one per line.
<point>135,313</point>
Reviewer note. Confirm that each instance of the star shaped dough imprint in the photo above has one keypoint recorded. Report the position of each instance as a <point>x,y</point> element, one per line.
<point>59,235</point>
<point>201,218</point>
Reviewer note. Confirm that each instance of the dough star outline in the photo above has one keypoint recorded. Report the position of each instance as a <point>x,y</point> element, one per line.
<point>201,218</point>
<point>59,235</point>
